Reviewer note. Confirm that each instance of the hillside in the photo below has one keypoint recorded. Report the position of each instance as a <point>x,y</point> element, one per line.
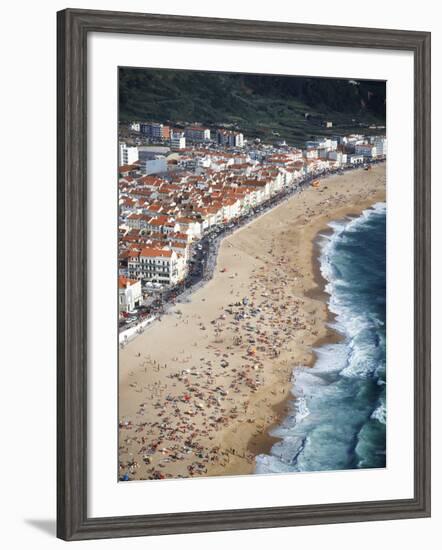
<point>269,107</point>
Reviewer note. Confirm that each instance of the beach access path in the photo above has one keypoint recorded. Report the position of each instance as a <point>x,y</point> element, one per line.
<point>200,389</point>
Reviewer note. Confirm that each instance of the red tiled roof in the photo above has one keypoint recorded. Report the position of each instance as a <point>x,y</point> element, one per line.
<point>123,282</point>
<point>155,252</point>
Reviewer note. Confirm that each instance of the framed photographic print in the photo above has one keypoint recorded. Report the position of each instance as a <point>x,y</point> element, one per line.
<point>243,274</point>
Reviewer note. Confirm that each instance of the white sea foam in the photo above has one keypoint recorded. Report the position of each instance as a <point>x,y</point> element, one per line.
<point>361,359</point>
<point>323,420</point>
<point>380,414</point>
<point>301,409</point>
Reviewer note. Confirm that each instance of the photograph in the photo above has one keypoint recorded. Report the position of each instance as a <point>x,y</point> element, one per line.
<point>229,219</point>
<point>251,274</point>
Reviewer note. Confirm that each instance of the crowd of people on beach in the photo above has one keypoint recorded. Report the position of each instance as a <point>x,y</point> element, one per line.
<point>214,384</point>
<point>235,346</point>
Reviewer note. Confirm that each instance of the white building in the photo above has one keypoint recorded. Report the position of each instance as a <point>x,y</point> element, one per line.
<point>128,155</point>
<point>338,156</point>
<point>190,227</point>
<point>231,208</point>
<point>238,139</point>
<point>178,141</point>
<point>310,153</point>
<point>229,138</point>
<point>129,294</point>
<point>203,162</point>
<point>381,146</point>
<point>197,133</point>
<point>355,159</point>
<point>135,126</point>
<point>158,265</point>
<point>326,144</point>
<point>296,154</point>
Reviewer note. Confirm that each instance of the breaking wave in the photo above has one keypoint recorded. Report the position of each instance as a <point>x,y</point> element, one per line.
<point>339,414</point>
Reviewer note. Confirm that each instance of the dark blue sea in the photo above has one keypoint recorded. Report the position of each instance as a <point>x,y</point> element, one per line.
<point>338,417</point>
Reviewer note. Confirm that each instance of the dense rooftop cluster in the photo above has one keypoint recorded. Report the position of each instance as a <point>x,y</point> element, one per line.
<point>170,195</point>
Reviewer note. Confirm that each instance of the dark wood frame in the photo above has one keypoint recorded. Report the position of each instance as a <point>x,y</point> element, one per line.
<point>73,28</point>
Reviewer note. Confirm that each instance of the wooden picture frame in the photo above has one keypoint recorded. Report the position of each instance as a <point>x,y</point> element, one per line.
<point>73,28</point>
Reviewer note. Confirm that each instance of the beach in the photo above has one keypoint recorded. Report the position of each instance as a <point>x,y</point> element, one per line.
<point>200,389</point>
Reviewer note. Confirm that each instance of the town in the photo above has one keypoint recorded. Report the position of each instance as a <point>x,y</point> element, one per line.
<point>181,190</point>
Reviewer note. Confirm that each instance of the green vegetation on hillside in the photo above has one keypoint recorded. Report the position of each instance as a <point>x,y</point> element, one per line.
<point>265,106</point>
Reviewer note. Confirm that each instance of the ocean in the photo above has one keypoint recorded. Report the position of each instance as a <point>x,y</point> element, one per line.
<point>338,417</point>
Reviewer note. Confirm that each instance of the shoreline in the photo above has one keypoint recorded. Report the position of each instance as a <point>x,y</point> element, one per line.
<point>263,443</point>
<point>332,336</point>
<point>274,251</point>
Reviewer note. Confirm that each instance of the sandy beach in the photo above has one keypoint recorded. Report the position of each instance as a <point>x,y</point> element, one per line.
<point>200,389</point>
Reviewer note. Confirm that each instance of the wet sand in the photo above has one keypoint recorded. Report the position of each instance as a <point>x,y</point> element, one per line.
<point>200,389</point>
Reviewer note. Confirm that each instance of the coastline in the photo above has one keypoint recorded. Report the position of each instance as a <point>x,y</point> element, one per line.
<point>262,443</point>
<point>282,241</point>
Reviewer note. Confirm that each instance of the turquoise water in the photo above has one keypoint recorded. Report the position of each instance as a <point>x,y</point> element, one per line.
<point>338,419</point>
